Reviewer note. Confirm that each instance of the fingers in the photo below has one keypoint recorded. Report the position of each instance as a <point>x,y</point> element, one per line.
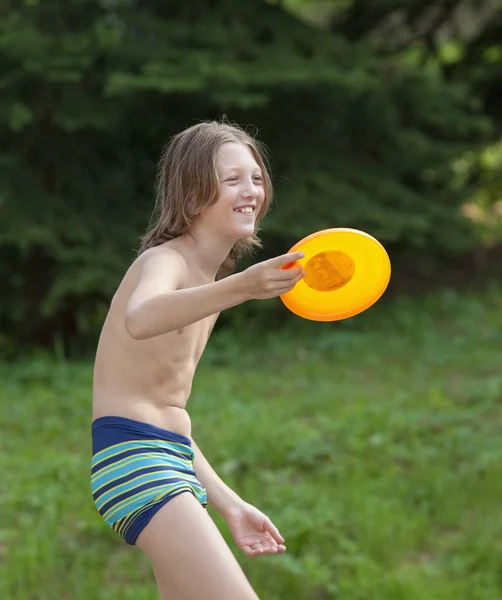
<point>288,274</point>
<point>274,532</point>
<point>264,548</point>
<point>269,548</point>
<point>285,259</point>
<point>288,285</point>
<point>253,550</point>
<point>267,280</point>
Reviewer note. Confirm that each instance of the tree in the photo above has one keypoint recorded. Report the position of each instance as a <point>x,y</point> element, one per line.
<point>92,90</point>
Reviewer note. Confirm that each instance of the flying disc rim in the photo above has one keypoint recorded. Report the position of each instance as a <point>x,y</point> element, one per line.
<point>336,238</point>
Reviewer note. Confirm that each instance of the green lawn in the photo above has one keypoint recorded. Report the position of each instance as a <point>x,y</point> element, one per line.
<point>373,444</point>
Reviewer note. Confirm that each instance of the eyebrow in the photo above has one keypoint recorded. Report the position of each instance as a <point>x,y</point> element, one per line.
<point>235,168</point>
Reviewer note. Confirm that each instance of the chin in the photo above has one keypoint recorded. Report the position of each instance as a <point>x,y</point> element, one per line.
<point>245,233</point>
<point>241,231</point>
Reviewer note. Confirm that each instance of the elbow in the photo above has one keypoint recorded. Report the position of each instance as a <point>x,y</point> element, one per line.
<point>140,326</point>
<point>132,326</point>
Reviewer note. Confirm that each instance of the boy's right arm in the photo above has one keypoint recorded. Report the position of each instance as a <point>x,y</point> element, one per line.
<point>158,306</point>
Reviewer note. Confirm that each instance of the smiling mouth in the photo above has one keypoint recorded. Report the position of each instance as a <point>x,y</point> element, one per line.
<point>248,210</point>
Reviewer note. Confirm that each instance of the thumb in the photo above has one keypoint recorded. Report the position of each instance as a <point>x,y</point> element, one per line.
<point>272,529</point>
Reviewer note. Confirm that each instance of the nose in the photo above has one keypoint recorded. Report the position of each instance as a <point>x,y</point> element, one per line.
<point>249,190</point>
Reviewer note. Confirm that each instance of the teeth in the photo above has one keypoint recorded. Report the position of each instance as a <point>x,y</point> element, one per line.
<point>247,210</point>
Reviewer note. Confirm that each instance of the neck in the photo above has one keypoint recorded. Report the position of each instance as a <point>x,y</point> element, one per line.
<point>208,252</point>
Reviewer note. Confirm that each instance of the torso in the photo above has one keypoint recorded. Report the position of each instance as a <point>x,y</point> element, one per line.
<point>146,380</point>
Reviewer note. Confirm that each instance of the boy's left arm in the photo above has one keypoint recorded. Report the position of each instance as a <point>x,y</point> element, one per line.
<point>252,530</point>
<point>219,495</point>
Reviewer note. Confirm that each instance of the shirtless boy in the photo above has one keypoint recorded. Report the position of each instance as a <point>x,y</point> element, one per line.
<point>213,191</point>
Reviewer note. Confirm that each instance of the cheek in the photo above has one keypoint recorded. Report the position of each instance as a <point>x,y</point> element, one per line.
<point>228,199</point>
<point>262,197</point>
<point>220,204</point>
<point>227,195</point>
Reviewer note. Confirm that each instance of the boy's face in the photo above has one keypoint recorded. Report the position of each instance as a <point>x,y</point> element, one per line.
<point>241,193</point>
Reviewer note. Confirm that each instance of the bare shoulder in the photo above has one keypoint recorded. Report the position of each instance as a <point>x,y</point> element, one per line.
<point>163,261</point>
<point>159,270</point>
<point>163,254</point>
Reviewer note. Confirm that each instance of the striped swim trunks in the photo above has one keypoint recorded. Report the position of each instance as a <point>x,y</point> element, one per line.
<point>136,468</point>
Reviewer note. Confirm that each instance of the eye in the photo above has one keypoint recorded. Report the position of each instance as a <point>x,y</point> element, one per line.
<point>231,179</point>
<point>258,178</point>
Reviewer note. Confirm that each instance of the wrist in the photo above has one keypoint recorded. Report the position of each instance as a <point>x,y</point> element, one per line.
<point>240,286</point>
<point>232,509</point>
<point>226,502</point>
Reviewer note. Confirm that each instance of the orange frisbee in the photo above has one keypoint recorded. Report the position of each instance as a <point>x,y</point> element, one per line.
<point>346,272</point>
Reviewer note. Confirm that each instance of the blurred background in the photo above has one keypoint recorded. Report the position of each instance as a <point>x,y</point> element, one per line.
<point>373,442</point>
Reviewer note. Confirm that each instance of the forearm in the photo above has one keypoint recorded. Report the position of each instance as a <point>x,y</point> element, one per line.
<point>174,310</point>
<point>219,495</point>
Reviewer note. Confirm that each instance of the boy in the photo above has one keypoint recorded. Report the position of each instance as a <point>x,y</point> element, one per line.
<point>213,191</point>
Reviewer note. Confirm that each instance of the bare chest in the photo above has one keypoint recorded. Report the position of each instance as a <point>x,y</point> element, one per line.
<point>190,341</point>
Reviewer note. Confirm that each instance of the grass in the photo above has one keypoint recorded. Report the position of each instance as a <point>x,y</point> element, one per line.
<point>373,444</point>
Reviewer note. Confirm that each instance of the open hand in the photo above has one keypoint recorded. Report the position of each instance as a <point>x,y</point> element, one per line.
<point>253,532</point>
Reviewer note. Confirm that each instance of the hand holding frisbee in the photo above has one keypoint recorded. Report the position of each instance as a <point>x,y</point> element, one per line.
<point>346,272</point>
<point>268,279</point>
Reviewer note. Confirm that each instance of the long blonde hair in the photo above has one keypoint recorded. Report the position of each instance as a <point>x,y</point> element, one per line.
<point>187,183</point>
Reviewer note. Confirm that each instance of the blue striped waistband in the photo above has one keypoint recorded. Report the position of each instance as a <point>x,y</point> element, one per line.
<point>111,430</point>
